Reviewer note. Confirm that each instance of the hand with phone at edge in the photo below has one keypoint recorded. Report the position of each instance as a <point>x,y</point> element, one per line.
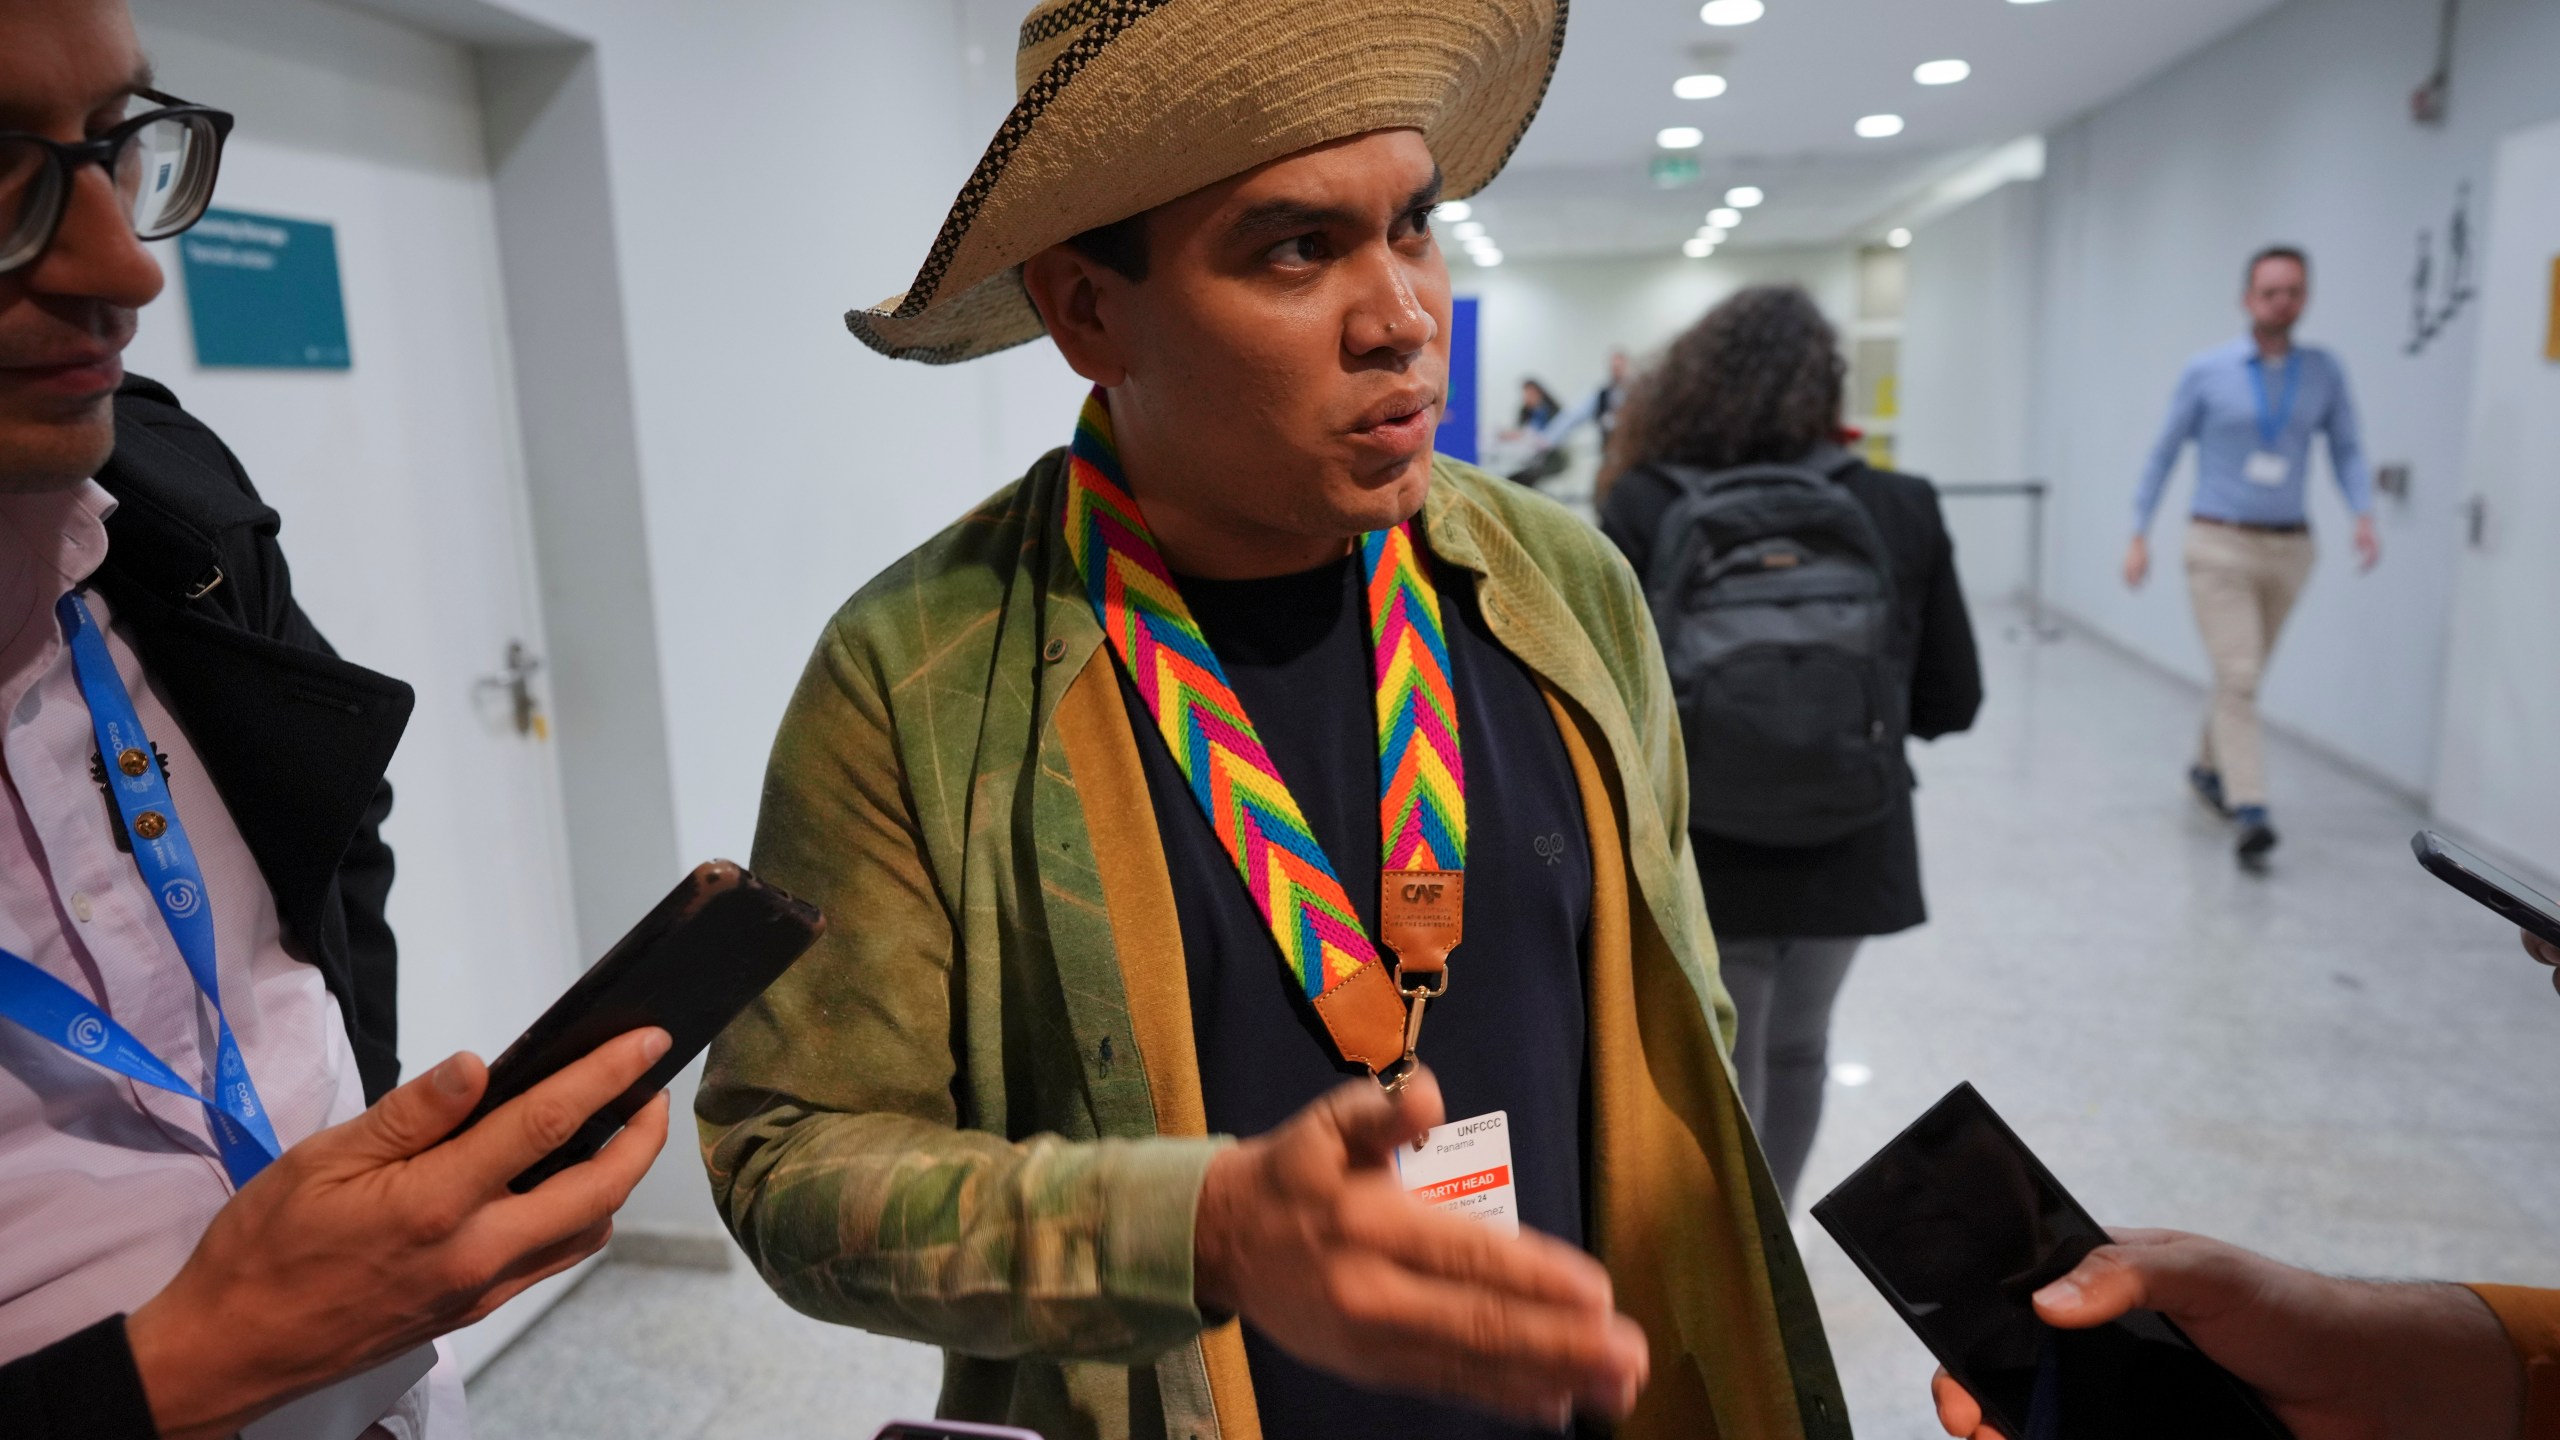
<point>1306,1232</point>
<point>2335,1359</point>
<point>373,1236</point>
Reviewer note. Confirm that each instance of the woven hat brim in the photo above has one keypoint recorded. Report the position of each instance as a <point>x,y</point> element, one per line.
<point>1161,97</point>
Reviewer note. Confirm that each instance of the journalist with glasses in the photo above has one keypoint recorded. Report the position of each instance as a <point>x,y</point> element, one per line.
<point>213,1201</point>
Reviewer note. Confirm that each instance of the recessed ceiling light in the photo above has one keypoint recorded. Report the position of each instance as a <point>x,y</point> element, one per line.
<point>1697,247</point>
<point>1469,229</point>
<point>1897,237</point>
<point>1743,197</point>
<point>1714,234</point>
<point>1877,127</point>
<point>1941,72</point>
<point>1452,211</point>
<point>1486,258</point>
<point>1732,12</point>
<point>1698,87</point>
<point>1724,217</point>
<point>2026,2</point>
<point>1680,137</point>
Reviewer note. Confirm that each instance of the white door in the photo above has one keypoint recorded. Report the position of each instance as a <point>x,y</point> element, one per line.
<point>401,480</point>
<point>2498,774</point>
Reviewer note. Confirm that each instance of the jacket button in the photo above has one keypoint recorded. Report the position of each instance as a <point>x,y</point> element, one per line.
<point>1054,651</point>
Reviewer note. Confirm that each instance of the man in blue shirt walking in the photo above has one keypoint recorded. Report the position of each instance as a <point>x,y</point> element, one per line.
<point>2251,407</point>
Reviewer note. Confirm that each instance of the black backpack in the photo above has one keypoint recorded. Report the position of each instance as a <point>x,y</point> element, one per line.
<point>1773,594</point>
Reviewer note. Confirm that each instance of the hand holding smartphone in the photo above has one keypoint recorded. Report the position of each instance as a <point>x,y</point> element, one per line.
<point>1958,1224</point>
<point>2525,907</point>
<point>715,943</point>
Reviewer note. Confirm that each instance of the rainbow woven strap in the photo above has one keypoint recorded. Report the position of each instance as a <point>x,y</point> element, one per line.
<point>1422,786</point>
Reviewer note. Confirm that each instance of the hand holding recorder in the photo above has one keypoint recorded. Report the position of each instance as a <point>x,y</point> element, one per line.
<point>468,1184</point>
<point>2335,1359</point>
<point>373,1237</point>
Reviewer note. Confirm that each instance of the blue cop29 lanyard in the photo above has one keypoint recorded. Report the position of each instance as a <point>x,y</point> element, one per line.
<point>149,817</point>
<point>2273,420</point>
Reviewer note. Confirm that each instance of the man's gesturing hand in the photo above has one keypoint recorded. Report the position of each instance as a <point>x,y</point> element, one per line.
<point>2337,1359</point>
<point>1306,1233</point>
<point>371,1238</point>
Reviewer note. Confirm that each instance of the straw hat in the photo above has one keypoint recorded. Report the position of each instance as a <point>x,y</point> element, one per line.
<point>1127,104</point>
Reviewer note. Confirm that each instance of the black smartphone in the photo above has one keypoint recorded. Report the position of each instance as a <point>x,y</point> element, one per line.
<point>1958,1224</point>
<point>2520,903</point>
<point>691,964</point>
<point>949,1430</point>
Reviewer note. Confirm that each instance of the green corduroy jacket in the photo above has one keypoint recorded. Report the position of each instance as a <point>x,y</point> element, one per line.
<point>971,1116</point>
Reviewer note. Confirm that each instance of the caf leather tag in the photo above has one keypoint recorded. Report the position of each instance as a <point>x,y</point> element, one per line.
<point>1422,916</point>
<point>1365,1017</point>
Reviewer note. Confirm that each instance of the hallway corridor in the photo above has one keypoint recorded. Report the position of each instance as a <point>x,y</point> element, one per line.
<point>2340,1062</point>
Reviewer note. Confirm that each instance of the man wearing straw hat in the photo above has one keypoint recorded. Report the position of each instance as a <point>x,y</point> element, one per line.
<point>1213,777</point>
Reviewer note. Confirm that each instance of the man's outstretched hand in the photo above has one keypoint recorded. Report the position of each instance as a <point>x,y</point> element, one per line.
<point>373,1237</point>
<point>2336,1359</point>
<point>1305,1232</point>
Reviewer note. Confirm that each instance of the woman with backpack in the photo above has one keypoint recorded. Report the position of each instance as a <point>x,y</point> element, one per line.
<point>1811,620</point>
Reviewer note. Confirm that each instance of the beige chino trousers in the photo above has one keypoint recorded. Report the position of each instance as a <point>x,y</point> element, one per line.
<point>2243,584</point>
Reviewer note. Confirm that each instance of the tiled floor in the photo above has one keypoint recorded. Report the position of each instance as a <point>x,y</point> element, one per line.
<point>2340,1061</point>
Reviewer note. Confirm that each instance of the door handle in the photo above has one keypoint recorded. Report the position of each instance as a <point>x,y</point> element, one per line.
<point>524,707</point>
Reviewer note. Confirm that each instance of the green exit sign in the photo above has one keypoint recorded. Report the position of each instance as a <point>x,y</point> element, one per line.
<point>1673,171</point>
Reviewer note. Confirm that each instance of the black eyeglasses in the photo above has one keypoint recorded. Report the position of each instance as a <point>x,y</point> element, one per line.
<point>163,164</point>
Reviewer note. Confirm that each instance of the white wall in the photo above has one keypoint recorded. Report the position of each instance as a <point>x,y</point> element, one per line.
<point>2296,129</point>
<point>1968,332</point>
<point>772,166</point>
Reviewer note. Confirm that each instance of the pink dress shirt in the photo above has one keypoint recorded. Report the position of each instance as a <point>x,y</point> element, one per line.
<point>106,1184</point>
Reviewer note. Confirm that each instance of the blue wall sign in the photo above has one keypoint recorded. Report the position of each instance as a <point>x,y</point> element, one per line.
<point>1457,436</point>
<point>263,292</point>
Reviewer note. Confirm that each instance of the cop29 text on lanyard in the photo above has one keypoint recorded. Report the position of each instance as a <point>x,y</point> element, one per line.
<point>1374,1019</point>
<point>149,819</point>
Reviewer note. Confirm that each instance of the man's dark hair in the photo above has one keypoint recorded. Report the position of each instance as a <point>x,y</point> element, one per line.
<point>2249,277</point>
<point>1756,381</point>
<point>1120,246</point>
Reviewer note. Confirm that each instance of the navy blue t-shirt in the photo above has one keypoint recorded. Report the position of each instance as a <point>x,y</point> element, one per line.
<point>1508,1036</point>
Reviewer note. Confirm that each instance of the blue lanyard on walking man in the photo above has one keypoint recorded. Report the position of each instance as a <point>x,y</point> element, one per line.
<point>2272,422</point>
<point>149,818</point>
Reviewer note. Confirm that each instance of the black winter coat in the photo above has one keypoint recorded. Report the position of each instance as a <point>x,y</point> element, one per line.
<point>296,740</point>
<point>1867,883</point>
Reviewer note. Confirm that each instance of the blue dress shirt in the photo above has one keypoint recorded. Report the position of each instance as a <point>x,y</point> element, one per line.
<point>2218,406</point>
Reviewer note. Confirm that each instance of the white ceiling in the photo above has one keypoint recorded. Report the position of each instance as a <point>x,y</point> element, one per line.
<point>1799,78</point>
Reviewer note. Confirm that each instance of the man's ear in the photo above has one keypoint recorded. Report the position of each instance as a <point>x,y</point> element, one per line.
<point>1069,291</point>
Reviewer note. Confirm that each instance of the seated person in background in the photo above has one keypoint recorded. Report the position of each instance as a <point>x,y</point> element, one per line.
<point>1537,406</point>
<point>195,973</point>
<point>2336,1359</point>
<point>1529,459</point>
<point>1757,383</point>
<point>1117,787</point>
